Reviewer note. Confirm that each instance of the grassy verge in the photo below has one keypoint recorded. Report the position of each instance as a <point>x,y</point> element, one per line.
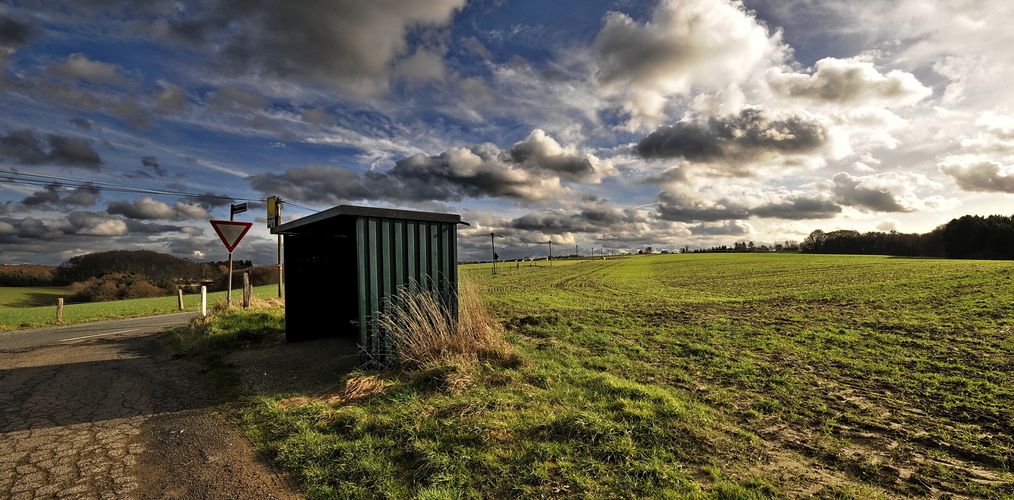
<point>208,340</point>
<point>37,317</point>
<point>685,376</point>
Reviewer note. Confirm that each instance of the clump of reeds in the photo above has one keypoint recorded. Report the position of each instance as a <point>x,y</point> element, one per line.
<point>425,335</point>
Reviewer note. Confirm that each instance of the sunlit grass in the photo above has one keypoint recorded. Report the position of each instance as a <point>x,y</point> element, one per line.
<point>36,317</point>
<point>687,376</point>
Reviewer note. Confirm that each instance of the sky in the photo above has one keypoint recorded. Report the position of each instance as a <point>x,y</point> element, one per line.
<point>600,126</point>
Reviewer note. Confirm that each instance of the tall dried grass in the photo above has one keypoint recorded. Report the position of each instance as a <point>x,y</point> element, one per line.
<point>424,333</point>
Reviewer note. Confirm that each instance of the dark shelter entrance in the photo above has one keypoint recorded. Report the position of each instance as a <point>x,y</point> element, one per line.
<point>343,263</point>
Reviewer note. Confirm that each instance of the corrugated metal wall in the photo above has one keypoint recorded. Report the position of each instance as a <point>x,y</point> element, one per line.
<point>393,253</point>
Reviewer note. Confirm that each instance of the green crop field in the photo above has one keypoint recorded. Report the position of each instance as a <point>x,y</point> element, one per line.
<point>725,376</point>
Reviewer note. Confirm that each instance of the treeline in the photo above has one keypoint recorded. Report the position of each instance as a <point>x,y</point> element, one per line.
<point>967,237</point>
<point>27,275</point>
<point>129,274</point>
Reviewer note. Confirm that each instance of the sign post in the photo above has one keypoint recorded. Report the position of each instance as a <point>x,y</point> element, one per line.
<point>230,233</point>
<point>275,219</point>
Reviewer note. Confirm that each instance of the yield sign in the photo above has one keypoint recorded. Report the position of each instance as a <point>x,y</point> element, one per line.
<point>230,232</point>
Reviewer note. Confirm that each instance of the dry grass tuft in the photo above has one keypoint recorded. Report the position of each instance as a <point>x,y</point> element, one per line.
<point>425,336</point>
<point>357,388</point>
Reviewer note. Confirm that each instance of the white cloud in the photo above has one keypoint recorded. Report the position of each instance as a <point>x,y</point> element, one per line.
<point>691,45</point>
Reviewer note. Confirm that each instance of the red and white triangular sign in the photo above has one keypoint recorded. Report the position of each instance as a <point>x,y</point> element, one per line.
<point>230,232</point>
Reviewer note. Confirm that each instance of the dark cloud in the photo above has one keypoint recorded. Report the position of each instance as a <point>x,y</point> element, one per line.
<point>47,196</point>
<point>73,151</point>
<point>210,200</point>
<point>83,196</point>
<point>855,192</point>
<point>798,208</point>
<point>530,170</point>
<point>152,163</point>
<point>350,45</point>
<point>23,147</point>
<point>14,33</point>
<point>843,81</point>
<point>592,220</point>
<point>742,138</point>
<point>982,177</point>
<point>680,208</point>
<point>727,228</point>
<point>671,207</point>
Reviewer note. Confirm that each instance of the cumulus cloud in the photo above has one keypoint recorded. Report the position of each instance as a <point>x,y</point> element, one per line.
<point>739,140</point>
<point>981,176</point>
<point>849,82</point>
<point>687,44</point>
<point>590,220</point>
<point>726,228</point>
<point>79,67</point>
<point>350,45</point>
<point>84,196</point>
<point>170,99</point>
<point>76,223</point>
<point>887,192</point>
<point>147,208</point>
<point>530,170</point>
<point>23,147</point>
<point>678,203</point>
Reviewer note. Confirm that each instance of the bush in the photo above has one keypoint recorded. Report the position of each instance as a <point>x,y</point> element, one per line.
<point>114,287</point>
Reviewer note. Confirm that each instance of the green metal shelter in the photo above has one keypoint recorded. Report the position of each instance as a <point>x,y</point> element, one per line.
<point>343,263</point>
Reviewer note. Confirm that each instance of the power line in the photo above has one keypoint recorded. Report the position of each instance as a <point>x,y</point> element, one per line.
<point>10,177</point>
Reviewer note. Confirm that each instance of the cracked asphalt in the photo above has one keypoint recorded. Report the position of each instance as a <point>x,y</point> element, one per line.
<point>115,416</point>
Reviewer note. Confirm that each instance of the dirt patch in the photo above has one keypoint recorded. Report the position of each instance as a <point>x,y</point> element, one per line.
<point>313,366</point>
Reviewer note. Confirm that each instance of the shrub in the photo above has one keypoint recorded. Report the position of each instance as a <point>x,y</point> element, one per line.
<point>114,287</point>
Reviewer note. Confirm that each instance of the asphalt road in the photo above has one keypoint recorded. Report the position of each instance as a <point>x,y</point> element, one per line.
<point>21,339</point>
<point>103,410</point>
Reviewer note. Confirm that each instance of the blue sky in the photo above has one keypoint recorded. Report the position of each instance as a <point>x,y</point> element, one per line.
<point>605,125</point>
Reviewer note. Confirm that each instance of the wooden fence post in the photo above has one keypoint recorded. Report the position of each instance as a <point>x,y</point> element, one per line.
<point>179,292</point>
<point>247,290</point>
<point>59,310</point>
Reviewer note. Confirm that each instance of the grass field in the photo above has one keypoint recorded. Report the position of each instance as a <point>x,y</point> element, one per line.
<point>16,311</point>
<point>726,376</point>
<point>21,297</point>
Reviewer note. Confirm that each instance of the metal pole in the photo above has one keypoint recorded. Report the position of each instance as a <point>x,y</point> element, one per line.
<point>492,246</point>
<point>278,220</point>
<point>228,287</point>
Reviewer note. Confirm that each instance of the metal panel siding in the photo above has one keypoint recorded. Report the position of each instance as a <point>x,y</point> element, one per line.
<point>396,253</point>
<point>363,292</point>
